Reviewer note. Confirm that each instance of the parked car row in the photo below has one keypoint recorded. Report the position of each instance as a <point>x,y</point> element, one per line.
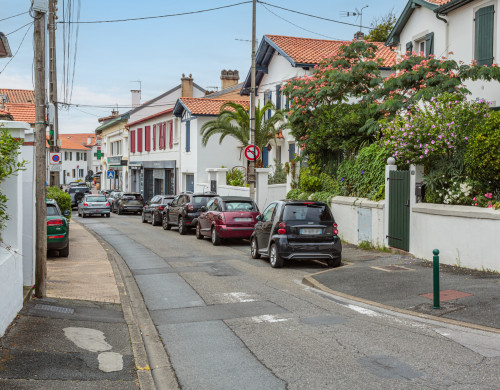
<point>285,230</point>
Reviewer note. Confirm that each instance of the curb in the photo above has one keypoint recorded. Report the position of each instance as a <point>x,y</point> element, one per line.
<point>311,282</point>
<point>153,366</point>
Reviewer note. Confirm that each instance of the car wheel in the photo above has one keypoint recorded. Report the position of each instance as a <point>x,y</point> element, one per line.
<point>254,249</point>
<point>215,237</point>
<point>334,262</point>
<point>143,218</point>
<point>182,226</point>
<point>274,258</point>
<point>154,220</point>
<point>198,234</point>
<point>64,252</point>
<point>164,223</point>
<point>108,215</point>
<point>84,215</point>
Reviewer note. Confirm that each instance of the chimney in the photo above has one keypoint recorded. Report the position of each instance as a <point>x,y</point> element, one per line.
<point>3,99</point>
<point>186,86</point>
<point>136,97</point>
<point>229,78</point>
<point>359,36</point>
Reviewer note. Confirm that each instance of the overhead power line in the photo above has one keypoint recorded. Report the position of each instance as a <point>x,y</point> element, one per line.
<point>13,16</point>
<point>156,16</point>
<point>22,40</point>
<point>20,28</point>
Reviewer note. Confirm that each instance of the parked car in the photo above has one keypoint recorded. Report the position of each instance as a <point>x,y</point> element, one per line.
<point>129,202</point>
<point>153,209</point>
<point>227,217</point>
<point>114,196</point>
<point>185,210</point>
<point>76,183</point>
<point>296,230</point>
<point>57,228</point>
<point>77,194</point>
<point>94,204</point>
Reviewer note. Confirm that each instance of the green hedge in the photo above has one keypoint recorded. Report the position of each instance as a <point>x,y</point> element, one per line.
<point>62,198</point>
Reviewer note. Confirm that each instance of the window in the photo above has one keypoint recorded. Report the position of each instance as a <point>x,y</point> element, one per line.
<point>233,205</point>
<point>73,172</point>
<point>81,173</point>
<point>268,213</point>
<point>307,212</point>
<point>84,156</point>
<point>409,48</point>
<point>291,151</point>
<point>423,45</point>
<point>77,156</point>
<point>278,97</point>
<point>483,35</point>
<point>188,136</point>
<point>65,155</point>
<point>71,158</point>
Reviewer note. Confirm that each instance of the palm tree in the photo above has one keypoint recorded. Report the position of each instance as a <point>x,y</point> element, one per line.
<point>234,121</point>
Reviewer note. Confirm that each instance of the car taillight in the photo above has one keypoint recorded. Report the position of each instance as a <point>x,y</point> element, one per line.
<point>307,202</point>
<point>282,228</point>
<point>190,207</point>
<point>335,230</point>
<point>107,204</point>
<point>54,222</point>
<point>86,204</point>
<point>221,218</point>
<point>60,236</point>
<point>160,208</point>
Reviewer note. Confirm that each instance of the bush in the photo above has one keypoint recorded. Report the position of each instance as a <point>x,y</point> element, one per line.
<point>235,177</point>
<point>293,194</point>
<point>482,158</point>
<point>62,198</point>
<point>279,174</point>
<point>364,175</point>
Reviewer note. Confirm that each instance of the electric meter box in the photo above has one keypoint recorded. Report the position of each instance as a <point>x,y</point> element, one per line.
<point>41,5</point>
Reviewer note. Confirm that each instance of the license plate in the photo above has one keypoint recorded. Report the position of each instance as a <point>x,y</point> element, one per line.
<point>243,219</point>
<point>310,231</point>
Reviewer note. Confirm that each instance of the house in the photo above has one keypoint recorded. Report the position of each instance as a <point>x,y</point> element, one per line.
<point>463,30</point>
<point>192,113</point>
<point>281,58</point>
<point>18,105</point>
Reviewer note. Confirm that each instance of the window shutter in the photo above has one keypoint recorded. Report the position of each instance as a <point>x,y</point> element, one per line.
<point>154,137</point>
<point>265,157</point>
<point>77,156</point>
<point>483,39</point>
<point>429,44</point>
<point>147,131</point>
<point>164,135</point>
<point>188,136</point>
<point>139,140</point>
<point>132,141</point>
<point>409,48</point>
<point>278,97</point>
<point>291,152</point>
<point>269,98</point>
<point>171,135</point>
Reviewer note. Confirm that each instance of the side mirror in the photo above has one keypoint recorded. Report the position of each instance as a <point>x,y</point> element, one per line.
<point>259,217</point>
<point>204,208</point>
<point>66,213</point>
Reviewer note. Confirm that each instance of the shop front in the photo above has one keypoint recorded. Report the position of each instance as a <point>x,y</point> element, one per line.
<point>152,178</point>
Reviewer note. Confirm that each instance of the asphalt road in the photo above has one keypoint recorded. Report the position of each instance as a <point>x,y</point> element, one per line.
<point>230,322</point>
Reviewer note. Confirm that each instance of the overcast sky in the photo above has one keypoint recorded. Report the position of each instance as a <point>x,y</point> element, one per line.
<point>111,56</point>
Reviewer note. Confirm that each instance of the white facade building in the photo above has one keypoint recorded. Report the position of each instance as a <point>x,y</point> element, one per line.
<point>464,30</point>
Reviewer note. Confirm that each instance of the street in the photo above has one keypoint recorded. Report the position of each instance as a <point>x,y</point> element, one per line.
<point>228,321</point>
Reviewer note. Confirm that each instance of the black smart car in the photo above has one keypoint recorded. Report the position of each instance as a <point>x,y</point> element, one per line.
<point>295,229</point>
<point>153,209</point>
<point>184,211</point>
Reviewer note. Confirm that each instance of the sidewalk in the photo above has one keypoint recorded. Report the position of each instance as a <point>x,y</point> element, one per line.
<point>405,284</point>
<point>78,337</point>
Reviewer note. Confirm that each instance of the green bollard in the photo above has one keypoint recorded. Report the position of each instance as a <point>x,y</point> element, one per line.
<point>435,267</point>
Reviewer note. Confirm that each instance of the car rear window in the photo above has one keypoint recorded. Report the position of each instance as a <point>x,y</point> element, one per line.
<point>307,212</point>
<point>239,206</point>
<point>201,200</point>
<point>131,197</point>
<point>77,189</point>
<point>52,211</point>
<point>96,198</point>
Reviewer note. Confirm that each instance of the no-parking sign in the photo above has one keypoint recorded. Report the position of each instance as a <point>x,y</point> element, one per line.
<point>55,158</point>
<point>252,152</point>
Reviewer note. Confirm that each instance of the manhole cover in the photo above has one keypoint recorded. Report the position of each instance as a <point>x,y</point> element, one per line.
<point>57,309</point>
<point>392,268</point>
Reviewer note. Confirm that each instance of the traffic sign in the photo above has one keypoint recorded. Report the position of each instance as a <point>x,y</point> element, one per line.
<point>110,175</point>
<point>252,152</point>
<point>55,158</point>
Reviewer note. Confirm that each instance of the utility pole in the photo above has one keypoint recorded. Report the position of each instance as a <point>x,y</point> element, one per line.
<point>40,157</point>
<point>54,127</point>
<point>251,174</point>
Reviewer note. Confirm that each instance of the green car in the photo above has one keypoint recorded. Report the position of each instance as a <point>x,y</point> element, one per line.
<point>57,228</point>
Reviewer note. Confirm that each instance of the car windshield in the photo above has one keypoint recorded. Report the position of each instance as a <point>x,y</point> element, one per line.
<point>96,198</point>
<point>239,206</point>
<point>201,200</point>
<point>52,210</point>
<point>307,212</point>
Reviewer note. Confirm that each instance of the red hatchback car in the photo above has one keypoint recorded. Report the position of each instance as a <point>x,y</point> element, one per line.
<point>227,217</point>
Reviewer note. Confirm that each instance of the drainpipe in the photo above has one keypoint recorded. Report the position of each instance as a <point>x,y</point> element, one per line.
<point>446,34</point>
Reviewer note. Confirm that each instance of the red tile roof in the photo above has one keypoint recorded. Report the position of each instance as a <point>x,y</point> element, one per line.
<point>5,115</point>
<point>313,51</point>
<point>21,112</point>
<point>18,95</point>
<point>70,145</point>
<point>202,106</point>
<point>79,138</point>
<point>438,2</point>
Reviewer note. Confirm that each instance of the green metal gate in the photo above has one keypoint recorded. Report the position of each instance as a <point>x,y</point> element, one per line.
<point>399,209</point>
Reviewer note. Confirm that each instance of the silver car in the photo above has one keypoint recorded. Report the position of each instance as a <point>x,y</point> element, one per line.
<point>94,204</point>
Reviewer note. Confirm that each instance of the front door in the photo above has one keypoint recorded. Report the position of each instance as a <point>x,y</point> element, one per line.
<point>190,183</point>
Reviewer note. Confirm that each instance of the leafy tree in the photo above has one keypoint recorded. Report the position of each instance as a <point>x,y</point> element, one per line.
<point>234,121</point>
<point>381,28</point>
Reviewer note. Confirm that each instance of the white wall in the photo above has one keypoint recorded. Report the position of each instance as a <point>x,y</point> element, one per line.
<point>28,180</point>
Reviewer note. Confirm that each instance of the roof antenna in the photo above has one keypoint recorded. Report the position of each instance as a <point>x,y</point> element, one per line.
<point>356,14</point>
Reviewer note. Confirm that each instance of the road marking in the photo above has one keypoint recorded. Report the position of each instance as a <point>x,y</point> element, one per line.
<point>362,310</point>
<point>237,297</point>
<point>268,318</point>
